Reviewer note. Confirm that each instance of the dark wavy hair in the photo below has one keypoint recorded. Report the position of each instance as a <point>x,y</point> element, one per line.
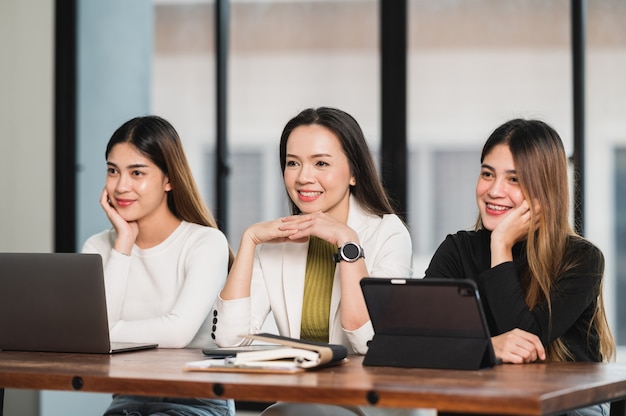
<point>368,191</point>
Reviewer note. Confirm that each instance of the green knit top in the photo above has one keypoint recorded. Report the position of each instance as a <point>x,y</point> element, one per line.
<point>318,287</point>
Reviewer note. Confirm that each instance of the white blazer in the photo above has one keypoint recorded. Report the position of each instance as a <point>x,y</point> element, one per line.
<point>278,283</point>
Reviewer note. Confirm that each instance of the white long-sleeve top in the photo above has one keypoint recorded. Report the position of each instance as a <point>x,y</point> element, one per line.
<point>164,294</point>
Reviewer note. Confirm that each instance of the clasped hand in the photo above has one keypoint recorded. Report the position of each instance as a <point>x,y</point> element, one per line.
<point>518,347</point>
<point>298,228</point>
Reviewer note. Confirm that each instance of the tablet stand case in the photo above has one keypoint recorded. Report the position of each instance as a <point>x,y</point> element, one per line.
<point>428,352</point>
<point>427,323</point>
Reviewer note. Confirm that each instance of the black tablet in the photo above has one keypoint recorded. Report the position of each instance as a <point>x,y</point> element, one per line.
<point>429,323</point>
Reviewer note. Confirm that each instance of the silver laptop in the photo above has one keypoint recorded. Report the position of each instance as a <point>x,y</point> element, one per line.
<point>55,302</point>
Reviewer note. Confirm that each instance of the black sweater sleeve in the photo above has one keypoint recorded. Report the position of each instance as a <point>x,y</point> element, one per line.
<point>574,294</point>
<point>573,297</point>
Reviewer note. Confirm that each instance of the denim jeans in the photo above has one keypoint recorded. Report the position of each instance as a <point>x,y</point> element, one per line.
<point>603,409</point>
<point>310,409</point>
<point>168,406</point>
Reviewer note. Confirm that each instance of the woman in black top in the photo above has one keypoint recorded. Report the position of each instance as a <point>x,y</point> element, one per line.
<point>540,283</point>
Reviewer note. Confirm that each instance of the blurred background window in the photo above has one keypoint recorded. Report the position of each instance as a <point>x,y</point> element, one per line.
<point>471,66</point>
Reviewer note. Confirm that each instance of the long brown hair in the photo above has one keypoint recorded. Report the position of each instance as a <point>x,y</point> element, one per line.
<point>368,191</point>
<point>541,166</point>
<point>156,138</point>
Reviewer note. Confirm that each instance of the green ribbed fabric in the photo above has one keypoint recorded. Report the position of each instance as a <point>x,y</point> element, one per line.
<point>318,287</point>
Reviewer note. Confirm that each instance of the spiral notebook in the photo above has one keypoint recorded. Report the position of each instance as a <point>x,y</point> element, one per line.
<point>55,302</point>
<point>284,355</point>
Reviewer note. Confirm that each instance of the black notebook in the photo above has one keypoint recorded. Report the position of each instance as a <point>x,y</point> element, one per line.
<point>427,323</point>
<point>55,302</point>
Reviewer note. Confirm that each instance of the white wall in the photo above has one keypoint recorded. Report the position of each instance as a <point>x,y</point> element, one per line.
<point>26,141</point>
<point>26,117</point>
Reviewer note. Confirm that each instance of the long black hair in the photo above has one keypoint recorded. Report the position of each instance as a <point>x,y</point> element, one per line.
<point>156,138</point>
<point>368,191</point>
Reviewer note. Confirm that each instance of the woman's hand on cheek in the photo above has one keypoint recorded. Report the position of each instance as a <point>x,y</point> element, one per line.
<point>518,347</point>
<point>126,231</point>
<point>323,226</point>
<point>513,227</point>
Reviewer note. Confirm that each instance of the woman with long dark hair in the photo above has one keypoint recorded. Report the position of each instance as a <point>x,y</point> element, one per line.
<point>305,268</point>
<point>540,282</point>
<point>164,258</point>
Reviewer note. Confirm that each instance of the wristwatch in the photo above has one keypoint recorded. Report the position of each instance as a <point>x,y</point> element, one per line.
<point>349,252</point>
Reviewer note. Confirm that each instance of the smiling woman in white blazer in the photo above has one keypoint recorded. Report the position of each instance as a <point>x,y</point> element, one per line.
<point>306,268</point>
<point>278,282</point>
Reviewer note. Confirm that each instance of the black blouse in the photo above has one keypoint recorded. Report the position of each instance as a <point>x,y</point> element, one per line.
<point>574,295</point>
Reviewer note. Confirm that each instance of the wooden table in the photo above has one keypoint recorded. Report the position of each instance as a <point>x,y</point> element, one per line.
<point>531,389</point>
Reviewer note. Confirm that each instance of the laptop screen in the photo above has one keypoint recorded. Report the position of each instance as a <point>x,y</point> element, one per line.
<point>54,302</point>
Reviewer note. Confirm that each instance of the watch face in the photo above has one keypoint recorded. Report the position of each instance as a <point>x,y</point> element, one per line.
<point>351,251</point>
